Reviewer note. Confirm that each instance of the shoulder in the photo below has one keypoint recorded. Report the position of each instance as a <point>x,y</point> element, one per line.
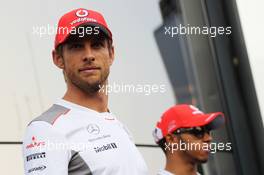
<point>52,114</point>
<point>42,127</point>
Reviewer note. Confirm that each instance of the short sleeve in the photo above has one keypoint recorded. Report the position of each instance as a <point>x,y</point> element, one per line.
<point>44,150</point>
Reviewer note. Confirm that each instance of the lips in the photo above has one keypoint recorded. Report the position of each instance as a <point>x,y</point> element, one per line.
<point>89,69</point>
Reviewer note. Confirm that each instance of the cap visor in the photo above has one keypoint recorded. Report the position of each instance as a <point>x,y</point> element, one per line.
<point>102,28</point>
<point>89,24</point>
<point>212,120</point>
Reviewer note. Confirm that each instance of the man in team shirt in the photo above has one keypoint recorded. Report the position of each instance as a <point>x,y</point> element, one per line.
<point>183,133</point>
<point>78,135</point>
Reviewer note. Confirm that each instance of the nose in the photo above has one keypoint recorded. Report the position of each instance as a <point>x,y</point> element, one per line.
<point>88,55</point>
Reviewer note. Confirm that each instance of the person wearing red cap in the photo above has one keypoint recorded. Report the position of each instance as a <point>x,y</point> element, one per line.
<point>183,133</point>
<point>78,135</point>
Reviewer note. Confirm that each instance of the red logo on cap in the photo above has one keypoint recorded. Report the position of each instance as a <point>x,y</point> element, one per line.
<point>82,13</point>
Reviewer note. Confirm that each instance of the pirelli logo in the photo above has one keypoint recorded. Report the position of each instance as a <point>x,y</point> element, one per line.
<point>105,147</point>
<point>36,156</point>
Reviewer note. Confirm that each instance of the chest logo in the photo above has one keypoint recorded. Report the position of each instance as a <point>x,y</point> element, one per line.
<point>93,129</point>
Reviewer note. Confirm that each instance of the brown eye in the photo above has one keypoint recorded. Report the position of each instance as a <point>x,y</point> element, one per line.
<point>98,44</point>
<point>75,46</point>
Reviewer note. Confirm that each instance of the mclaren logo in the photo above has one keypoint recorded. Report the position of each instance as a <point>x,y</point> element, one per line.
<point>93,129</point>
<point>35,143</point>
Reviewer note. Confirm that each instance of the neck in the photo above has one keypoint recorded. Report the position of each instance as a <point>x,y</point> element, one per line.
<point>176,163</point>
<point>97,101</point>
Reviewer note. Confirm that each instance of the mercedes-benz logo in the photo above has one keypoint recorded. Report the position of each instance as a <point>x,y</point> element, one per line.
<point>93,129</point>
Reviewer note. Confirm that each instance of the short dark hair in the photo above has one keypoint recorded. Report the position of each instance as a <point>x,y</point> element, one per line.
<point>161,144</point>
<point>59,49</point>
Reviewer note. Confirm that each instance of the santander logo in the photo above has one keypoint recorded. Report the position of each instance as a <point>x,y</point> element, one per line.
<point>35,143</point>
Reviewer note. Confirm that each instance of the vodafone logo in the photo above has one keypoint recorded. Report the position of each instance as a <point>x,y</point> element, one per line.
<point>82,13</point>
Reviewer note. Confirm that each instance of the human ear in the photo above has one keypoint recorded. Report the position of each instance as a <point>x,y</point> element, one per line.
<point>111,54</point>
<point>58,59</point>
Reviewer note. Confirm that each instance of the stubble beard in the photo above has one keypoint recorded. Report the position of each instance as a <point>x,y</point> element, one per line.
<point>87,87</point>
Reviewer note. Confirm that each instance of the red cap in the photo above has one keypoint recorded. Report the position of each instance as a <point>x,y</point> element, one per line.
<point>185,116</point>
<point>75,18</point>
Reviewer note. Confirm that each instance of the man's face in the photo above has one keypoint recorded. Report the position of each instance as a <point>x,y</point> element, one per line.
<point>193,144</point>
<point>87,61</point>
<point>200,145</point>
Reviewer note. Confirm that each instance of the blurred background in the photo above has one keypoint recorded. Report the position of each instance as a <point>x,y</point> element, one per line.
<point>222,73</point>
